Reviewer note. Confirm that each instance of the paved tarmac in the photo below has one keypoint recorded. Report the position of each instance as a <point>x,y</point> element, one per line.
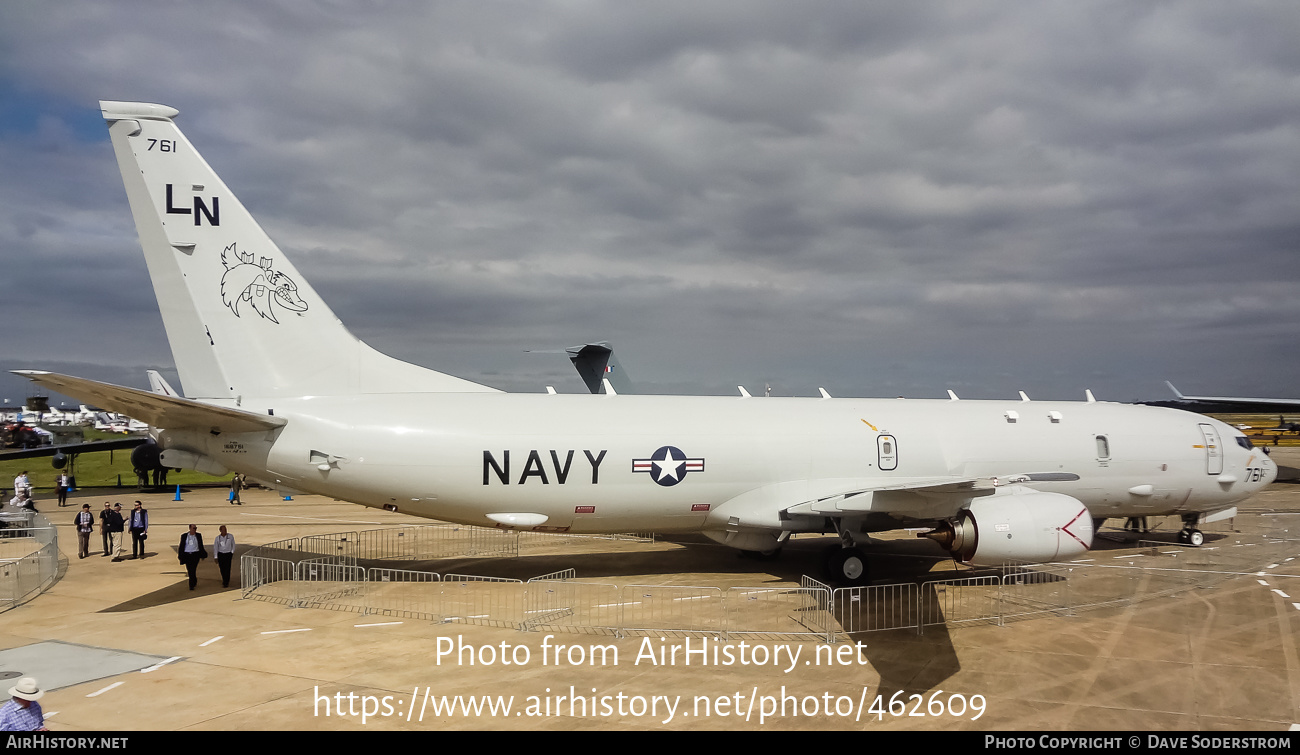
<point>1220,656</point>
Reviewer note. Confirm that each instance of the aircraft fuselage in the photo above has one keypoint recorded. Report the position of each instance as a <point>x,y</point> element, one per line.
<point>588,463</point>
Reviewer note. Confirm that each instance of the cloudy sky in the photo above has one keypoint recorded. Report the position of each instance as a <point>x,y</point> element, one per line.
<point>879,198</point>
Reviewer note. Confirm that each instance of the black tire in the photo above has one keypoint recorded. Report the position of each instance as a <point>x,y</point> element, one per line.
<point>848,566</point>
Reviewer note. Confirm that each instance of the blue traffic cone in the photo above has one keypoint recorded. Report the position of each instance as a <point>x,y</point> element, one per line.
<point>178,493</point>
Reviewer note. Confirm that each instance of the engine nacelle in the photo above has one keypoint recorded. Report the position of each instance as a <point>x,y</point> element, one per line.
<point>1021,525</point>
<point>146,456</point>
<point>181,459</point>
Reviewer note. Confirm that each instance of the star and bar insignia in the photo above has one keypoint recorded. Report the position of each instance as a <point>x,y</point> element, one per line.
<point>668,465</point>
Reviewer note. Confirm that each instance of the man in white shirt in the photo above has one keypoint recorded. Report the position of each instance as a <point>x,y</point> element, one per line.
<point>61,488</point>
<point>225,545</point>
<point>191,551</point>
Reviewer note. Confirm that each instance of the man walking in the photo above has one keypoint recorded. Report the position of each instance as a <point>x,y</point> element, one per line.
<point>103,524</point>
<point>190,551</point>
<point>116,528</point>
<point>85,522</point>
<point>61,487</point>
<point>139,526</point>
<point>225,547</point>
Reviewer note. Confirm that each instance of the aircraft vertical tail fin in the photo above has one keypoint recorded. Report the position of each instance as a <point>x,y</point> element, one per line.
<point>597,365</point>
<point>240,319</point>
<point>158,384</point>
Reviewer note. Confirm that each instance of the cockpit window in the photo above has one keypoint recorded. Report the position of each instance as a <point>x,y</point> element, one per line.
<point>1244,442</point>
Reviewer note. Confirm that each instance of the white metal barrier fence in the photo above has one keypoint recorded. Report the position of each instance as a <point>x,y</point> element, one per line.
<point>875,608</point>
<point>967,600</point>
<point>331,582</point>
<point>557,603</point>
<point>402,593</point>
<point>29,555</point>
<point>778,613</point>
<point>326,571</point>
<point>415,543</point>
<point>567,606</point>
<point>666,609</point>
<point>272,579</point>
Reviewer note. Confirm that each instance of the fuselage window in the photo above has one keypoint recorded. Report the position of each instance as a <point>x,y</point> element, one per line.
<point>1103,447</point>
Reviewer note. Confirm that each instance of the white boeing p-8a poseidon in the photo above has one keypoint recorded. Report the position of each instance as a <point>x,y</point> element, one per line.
<point>277,388</point>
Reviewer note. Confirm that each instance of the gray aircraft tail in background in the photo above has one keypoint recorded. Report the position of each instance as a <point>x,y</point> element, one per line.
<point>596,364</point>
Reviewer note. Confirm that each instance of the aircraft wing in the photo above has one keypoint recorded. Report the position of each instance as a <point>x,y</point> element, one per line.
<point>1236,403</point>
<point>862,498</point>
<point>169,412</point>
<point>73,448</point>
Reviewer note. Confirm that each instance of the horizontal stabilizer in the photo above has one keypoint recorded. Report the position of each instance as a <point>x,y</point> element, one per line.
<point>167,412</point>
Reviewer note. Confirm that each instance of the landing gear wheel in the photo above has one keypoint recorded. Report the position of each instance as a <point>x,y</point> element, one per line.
<point>848,566</point>
<point>1195,538</point>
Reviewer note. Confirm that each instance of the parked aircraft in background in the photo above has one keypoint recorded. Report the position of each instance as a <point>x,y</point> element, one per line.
<point>1234,403</point>
<point>117,423</point>
<point>274,386</point>
<point>599,370</point>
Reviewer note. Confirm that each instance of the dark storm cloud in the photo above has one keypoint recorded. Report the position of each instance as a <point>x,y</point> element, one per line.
<point>881,199</point>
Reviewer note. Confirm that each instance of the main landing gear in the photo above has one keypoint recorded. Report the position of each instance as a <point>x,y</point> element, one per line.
<point>1189,535</point>
<point>846,564</point>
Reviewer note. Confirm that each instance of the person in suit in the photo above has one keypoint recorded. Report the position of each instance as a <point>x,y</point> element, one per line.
<point>103,524</point>
<point>138,523</point>
<point>191,551</point>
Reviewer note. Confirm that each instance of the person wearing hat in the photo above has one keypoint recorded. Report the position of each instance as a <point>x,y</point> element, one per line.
<point>138,523</point>
<point>85,522</point>
<point>22,712</point>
